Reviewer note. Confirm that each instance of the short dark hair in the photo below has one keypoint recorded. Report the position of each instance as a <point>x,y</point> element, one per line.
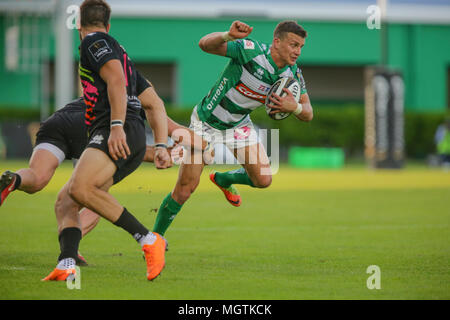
<point>95,13</point>
<point>289,26</point>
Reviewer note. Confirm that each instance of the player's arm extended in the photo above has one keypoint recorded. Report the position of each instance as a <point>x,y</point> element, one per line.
<point>180,134</point>
<point>216,42</point>
<point>156,114</point>
<point>157,119</point>
<point>111,72</point>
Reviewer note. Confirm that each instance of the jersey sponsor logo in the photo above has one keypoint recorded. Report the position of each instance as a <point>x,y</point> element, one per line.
<point>249,93</point>
<point>97,139</point>
<point>242,133</point>
<point>217,93</point>
<point>99,49</point>
<point>248,44</point>
<point>259,73</point>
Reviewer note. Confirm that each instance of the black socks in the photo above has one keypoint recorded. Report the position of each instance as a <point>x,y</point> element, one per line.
<point>130,224</point>
<point>17,182</point>
<point>69,240</point>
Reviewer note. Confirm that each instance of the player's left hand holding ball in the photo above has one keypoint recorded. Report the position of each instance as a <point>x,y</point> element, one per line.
<point>287,103</point>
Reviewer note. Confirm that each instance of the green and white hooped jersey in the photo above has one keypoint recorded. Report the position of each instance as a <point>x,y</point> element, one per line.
<point>243,85</point>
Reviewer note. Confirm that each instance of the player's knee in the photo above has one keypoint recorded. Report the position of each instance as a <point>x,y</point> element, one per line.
<point>78,192</point>
<point>59,202</point>
<point>73,191</point>
<point>262,181</point>
<point>63,202</point>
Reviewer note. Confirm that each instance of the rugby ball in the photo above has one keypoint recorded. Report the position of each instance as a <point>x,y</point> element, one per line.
<point>289,83</point>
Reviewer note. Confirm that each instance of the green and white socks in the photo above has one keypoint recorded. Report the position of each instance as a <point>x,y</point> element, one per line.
<point>238,176</point>
<point>167,212</point>
<point>169,207</point>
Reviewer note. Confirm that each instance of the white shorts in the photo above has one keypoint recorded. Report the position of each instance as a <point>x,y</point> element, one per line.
<point>238,137</point>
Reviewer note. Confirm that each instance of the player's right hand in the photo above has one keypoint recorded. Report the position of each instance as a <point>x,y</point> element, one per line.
<point>162,158</point>
<point>239,30</point>
<point>117,143</point>
<point>287,103</point>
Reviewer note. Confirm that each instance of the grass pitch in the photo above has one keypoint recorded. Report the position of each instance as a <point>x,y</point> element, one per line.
<point>311,235</point>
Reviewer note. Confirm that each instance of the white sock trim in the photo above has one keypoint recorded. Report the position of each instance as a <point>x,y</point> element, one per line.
<point>149,239</point>
<point>66,263</point>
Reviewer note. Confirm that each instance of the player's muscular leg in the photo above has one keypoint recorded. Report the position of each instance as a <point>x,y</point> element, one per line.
<point>93,171</point>
<point>188,180</point>
<point>88,220</point>
<point>66,210</point>
<point>256,163</point>
<point>42,166</point>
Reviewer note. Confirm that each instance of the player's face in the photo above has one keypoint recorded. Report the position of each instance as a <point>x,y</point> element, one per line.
<point>290,48</point>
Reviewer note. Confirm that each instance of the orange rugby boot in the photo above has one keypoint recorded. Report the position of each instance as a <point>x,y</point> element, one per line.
<point>154,256</point>
<point>231,193</point>
<point>64,269</point>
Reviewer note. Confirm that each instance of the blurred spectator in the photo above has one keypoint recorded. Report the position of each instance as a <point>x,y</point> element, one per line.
<point>442,140</point>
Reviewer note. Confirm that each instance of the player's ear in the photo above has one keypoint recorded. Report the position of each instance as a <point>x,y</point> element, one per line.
<point>276,42</point>
<point>108,27</point>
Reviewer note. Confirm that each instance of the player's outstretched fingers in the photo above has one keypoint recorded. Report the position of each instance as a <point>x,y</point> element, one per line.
<point>112,150</point>
<point>275,99</point>
<point>127,149</point>
<point>121,150</point>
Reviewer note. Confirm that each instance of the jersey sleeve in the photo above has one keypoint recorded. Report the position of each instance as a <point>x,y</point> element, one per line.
<point>97,50</point>
<point>141,83</point>
<point>243,50</point>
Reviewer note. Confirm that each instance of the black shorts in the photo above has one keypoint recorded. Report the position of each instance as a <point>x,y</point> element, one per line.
<point>67,131</point>
<point>136,140</point>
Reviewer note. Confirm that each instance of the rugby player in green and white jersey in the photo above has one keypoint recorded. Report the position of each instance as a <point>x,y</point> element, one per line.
<point>223,115</point>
